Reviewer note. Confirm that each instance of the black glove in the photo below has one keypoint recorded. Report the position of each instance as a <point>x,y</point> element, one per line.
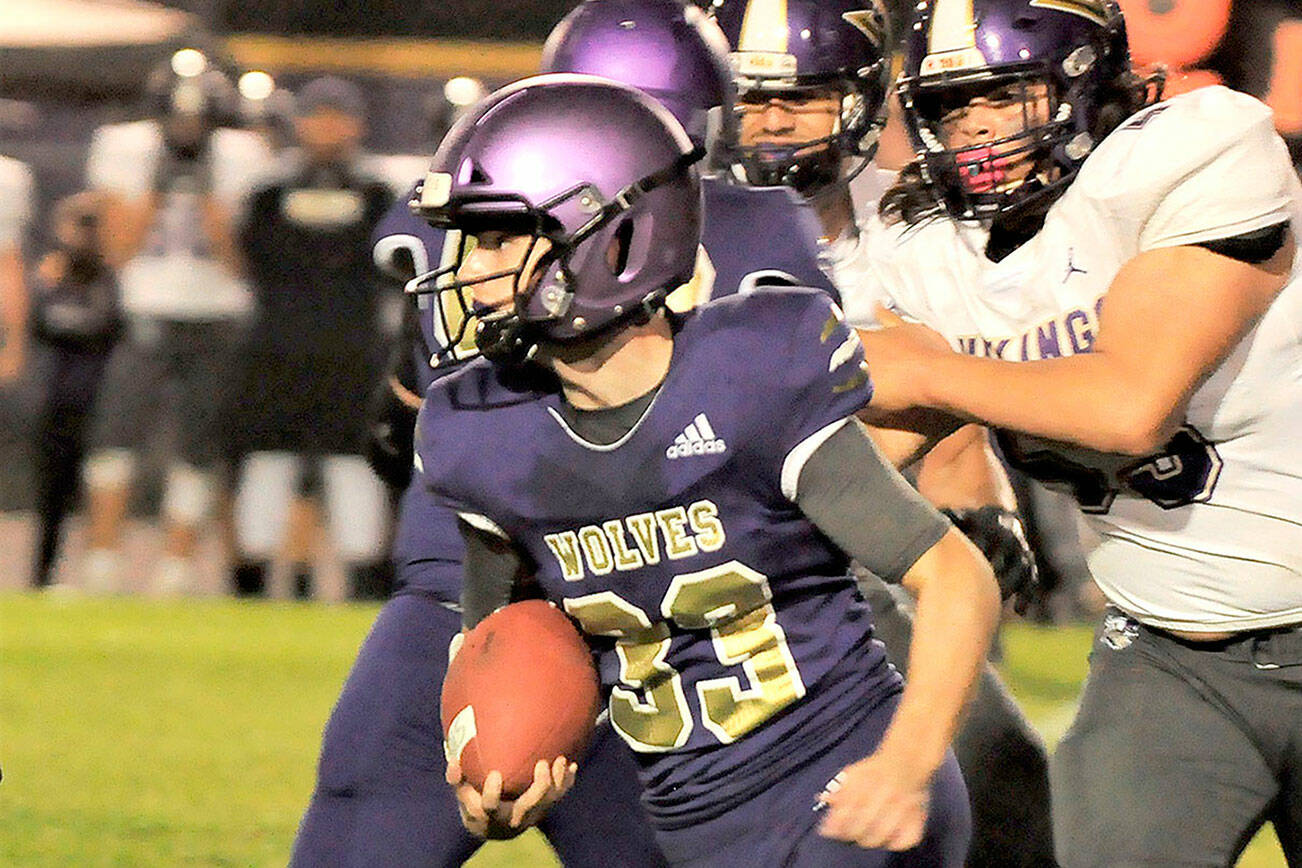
<point>998,533</point>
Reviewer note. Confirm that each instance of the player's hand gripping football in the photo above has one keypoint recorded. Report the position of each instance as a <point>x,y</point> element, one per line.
<point>488,815</point>
<point>881,802</point>
<point>898,355</point>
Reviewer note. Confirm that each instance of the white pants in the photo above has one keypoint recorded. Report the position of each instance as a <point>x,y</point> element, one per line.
<point>355,501</point>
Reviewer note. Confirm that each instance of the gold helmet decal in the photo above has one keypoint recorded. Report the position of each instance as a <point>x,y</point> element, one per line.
<point>1094,10</point>
<point>951,44</point>
<point>762,44</point>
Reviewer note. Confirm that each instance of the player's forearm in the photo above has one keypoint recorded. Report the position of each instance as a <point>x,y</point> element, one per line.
<point>221,235</point>
<point>126,225</point>
<point>1088,400</point>
<point>1130,393</point>
<point>957,612</point>
<point>961,472</point>
<point>13,300</point>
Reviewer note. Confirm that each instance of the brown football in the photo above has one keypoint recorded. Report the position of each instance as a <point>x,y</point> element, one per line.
<point>522,687</point>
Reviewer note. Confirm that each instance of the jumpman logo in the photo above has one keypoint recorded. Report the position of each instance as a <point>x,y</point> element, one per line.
<point>1071,265</point>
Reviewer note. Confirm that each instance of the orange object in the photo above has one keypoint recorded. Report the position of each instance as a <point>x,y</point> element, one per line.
<point>1178,33</point>
<point>1285,95</point>
<point>522,687</point>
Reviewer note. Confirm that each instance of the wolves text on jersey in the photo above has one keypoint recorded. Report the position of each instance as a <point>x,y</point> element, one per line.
<point>628,543</point>
<point>1067,334</point>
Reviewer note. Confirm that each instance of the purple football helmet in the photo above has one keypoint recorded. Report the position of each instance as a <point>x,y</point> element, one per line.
<point>787,48</point>
<point>960,49</point>
<point>669,50</point>
<point>601,171</point>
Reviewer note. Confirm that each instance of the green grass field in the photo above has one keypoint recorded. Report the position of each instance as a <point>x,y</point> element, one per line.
<point>139,733</point>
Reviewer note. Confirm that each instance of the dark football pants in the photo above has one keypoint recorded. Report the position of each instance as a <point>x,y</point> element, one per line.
<point>778,827</point>
<point>381,797</point>
<point>1181,750</point>
<point>71,381</point>
<point>1003,759</point>
<point>169,369</point>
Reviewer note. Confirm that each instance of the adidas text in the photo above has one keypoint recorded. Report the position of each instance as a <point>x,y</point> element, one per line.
<point>697,439</point>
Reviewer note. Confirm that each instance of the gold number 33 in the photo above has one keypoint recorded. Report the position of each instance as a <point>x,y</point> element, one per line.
<point>649,709</point>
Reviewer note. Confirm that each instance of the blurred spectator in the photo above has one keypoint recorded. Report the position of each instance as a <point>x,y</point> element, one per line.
<point>177,181</point>
<point>76,320</point>
<point>313,353</point>
<point>15,212</point>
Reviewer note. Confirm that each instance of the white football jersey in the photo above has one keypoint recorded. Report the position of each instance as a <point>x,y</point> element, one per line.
<point>849,258</point>
<point>15,201</point>
<point>1208,535</point>
<point>176,276</point>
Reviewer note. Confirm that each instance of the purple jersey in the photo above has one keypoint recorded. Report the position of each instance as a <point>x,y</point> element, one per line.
<point>745,252</point>
<point>720,614</point>
<point>760,235</point>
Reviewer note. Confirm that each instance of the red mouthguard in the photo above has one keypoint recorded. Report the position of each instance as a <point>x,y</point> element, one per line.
<point>981,170</point>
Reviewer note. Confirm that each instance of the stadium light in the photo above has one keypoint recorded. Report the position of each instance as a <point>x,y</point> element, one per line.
<point>256,85</point>
<point>189,62</point>
<point>462,91</point>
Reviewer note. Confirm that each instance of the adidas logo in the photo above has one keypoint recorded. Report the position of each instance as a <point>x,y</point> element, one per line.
<point>697,439</point>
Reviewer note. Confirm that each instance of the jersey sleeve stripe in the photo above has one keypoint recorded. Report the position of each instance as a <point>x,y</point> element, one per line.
<point>799,454</point>
<point>482,522</point>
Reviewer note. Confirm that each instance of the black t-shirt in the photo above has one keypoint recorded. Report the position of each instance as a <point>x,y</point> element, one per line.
<point>306,241</point>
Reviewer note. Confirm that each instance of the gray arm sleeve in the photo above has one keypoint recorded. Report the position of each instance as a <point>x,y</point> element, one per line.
<point>493,571</point>
<point>854,496</point>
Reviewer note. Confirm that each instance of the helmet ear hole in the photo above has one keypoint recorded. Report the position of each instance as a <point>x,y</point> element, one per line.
<point>471,172</point>
<point>621,243</point>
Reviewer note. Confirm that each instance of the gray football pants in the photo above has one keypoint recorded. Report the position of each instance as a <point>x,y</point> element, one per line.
<point>1181,750</point>
<point>1002,758</point>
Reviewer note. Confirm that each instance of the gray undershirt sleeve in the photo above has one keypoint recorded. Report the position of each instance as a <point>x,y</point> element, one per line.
<point>853,495</point>
<point>493,572</point>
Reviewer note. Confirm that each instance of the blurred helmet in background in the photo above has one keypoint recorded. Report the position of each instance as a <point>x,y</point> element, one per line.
<point>190,96</point>
<point>664,48</point>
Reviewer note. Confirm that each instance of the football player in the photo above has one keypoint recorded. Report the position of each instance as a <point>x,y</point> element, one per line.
<point>75,322</point>
<point>683,60</point>
<point>177,181</point>
<point>811,77</point>
<point>381,797</point>
<point>687,504</point>
<point>311,356</point>
<point>1120,282</point>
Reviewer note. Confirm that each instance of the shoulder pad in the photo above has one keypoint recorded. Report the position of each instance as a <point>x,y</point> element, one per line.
<point>1203,165</point>
<point>1163,144</point>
